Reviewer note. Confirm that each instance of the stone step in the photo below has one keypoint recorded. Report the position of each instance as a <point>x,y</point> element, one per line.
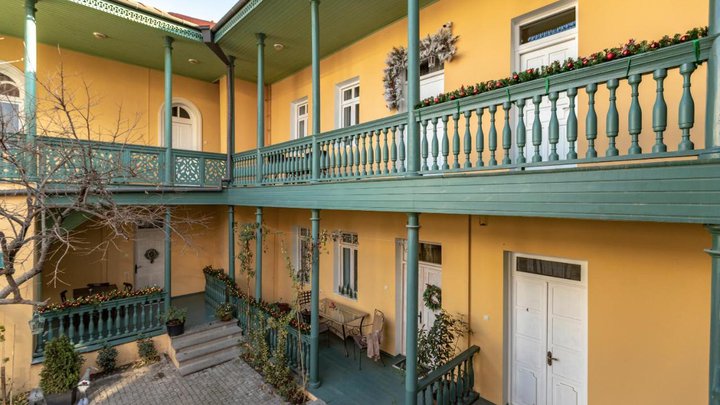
<point>209,360</point>
<point>191,352</point>
<point>205,334</point>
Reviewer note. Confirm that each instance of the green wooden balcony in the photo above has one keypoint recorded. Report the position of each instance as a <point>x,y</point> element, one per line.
<point>487,132</point>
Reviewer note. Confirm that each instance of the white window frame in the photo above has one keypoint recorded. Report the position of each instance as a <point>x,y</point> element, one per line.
<point>195,117</point>
<point>296,119</point>
<point>301,232</point>
<point>340,103</point>
<point>338,280</point>
<point>18,79</point>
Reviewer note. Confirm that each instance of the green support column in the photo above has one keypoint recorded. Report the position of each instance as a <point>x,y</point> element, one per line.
<point>168,112</point>
<point>315,302</point>
<point>168,259</point>
<point>230,119</point>
<point>260,103</point>
<point>231,242</point>
<point>411,308</point>
<point>413,82</point>
<point>712,112</point>
<point>715,316</point>
<point>30,107</point>
<point>258,253</point>
<point>315,34</point>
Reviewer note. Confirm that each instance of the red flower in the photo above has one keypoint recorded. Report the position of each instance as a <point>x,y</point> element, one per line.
<point>584,61</point>
<point>437,100</point>
<point>684,38</point>
<point>625,52</point>
<point>515,77</point>
<point>529,71</point>
<point>498,84</point>
<point>654,45</point>
<point>570,65</point>
<point>610,55</point>
<point>452,97</point>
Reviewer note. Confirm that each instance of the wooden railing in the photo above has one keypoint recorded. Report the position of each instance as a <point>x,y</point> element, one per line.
<point>89,326</point>
<point>452,383</point>
<point>216,293</point>
<point>550,121</point>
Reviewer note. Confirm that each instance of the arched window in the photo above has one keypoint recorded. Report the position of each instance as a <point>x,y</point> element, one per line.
<point>186,125</point>
<point>11,99</point>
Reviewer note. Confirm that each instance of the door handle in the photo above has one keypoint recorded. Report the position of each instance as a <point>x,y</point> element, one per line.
<point>549,357</point>
<point>136,268</point>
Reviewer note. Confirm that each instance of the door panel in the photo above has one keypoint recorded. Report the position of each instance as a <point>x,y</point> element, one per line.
<point>566,341</point>
<point>429,274</point>
<point>182,134</point>
<point>529,340</point>
<point>149,274</point>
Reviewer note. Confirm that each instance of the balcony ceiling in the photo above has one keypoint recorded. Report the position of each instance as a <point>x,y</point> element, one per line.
<point>342,22</point>
<point>135,33</point>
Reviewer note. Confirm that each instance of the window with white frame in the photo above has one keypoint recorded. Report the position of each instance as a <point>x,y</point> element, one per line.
<point>303,259</point>
<point>346,265</point>
<point>10,104</point>
<point>349,104</point>
<point>299,127</point>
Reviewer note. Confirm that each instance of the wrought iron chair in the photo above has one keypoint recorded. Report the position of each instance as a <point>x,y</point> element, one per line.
<point>128,286</point>
<point>63,295</point>
<point>361,341</point>
<point>304,306</point>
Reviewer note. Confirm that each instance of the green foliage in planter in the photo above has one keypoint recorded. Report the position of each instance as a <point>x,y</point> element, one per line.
<point>438,345</point>
<point>224,311</point>
<point>61,370</point>
<point>174,315</point>
<point>107,358</point>
<point>147,352</point>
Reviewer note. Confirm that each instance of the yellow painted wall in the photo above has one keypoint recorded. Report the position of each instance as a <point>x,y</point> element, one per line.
<point>115,87</point>
<point>484,53</point>
<point>245,114</point>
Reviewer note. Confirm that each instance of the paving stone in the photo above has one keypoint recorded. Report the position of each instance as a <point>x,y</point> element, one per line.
<point>233,382</point>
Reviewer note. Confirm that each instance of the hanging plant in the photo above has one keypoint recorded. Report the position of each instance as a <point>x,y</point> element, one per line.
<point>437,48</point>
<point>432,297</point>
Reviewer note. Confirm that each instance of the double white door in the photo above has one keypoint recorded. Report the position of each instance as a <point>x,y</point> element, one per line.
<point>548,353</point>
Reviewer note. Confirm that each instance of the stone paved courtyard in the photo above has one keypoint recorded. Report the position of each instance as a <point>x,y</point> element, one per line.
<point>233,382</point>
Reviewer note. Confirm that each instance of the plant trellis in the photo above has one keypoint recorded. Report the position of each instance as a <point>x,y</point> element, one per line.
<point>437,48</point>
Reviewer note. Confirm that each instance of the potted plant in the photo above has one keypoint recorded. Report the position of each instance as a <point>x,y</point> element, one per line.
<point>174,320</point>
<point>224,312</point>
<point>61,370</point>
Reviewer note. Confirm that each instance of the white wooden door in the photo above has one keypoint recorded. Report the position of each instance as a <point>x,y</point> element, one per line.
<point>427,274</point>
<point>182,132</point>
<point>147,273</point>
<point>535,57</point>
<point>548,355</point>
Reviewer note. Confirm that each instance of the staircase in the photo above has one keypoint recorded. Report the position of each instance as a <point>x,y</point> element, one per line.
<point>205,346</point>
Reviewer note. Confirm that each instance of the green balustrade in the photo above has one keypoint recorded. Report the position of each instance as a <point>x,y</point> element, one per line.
<point>456,141</point>
<point>659,120</point>
<point>571,125</point>
<point>507,136</point>
<point>591,121</point>
<point>451,383</point>
<point>521,131</point>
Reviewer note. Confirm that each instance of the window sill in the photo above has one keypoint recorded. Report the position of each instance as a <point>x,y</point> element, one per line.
<point>345,296</point>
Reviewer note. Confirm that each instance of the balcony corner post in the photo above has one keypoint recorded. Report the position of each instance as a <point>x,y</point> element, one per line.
<point>714,252</point>
<point>315,37</point>
<point>712,112</point>
<point>168,113</point>
<point>315,301</point>
<point>231,242</point>
<point>230,119</point>
<point>260,104</point>
<point>258,253</point>
<point>411,305</point>
<point>30,106</point>
<point>413,82</point>
<point>168,259</point>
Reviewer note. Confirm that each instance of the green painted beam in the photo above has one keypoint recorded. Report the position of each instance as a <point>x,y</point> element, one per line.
<point>315,302</point>
<point>168,177</point>
<point>411,307</point>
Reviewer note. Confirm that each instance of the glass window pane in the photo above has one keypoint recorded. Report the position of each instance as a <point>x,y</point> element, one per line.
<point>302,109</point>
<point>9,90</point>
<point>301,129</point>
<point>357,113</point>
<point>174,111</point>
<point>549,268</point>
<point>347,116</point>
<point>346,267</point>
<point>183,113</point>
<point>9,117</point>
<point>347,94</point>
<point>355,268</point>
<point>357,91</point>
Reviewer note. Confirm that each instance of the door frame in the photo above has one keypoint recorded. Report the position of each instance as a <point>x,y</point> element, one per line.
<point>508,312</point>
<point>196,119</point>
<point>136,254</point>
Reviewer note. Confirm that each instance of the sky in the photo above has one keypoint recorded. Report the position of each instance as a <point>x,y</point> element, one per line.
<point>206,10</point>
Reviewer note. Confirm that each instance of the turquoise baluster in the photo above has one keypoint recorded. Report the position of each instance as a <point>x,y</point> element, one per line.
<point>435,144</point>
<point>445,143</point>
<point>571,126</point>
<point>554,126</point>
<point>520,131</point>
<point>479,138</point>
<point>507,134</point>
<point>393,150</point>
<point>424,146</point>
<point>371,153</point>
<point>659,111</point>
<point>467,141</point>
<point>401,147</point>
<point>81,328</point>
<point>611,122</point>
<point>356,148</point>
<point>456,141</point>
<point>363,155</point>
<point>686,114</point>
<point>634,115</point>
<point>492,136</point>
<point>537,130</point>
<point>378,153</point>
<point>591,121</point>
<point>385,151</point>
<point>337,169</point>
<point>328,159</point>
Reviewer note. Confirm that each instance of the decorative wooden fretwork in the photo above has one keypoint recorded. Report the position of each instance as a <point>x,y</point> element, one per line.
<point>187,170</point>
<point>214,171</point>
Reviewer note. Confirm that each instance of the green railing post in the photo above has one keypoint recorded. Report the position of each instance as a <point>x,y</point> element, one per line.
<point>413,83</point>
<point>30,107</point>
<point>315,34</point>
<point>231,242</point>
<point>258,253</point>
<point>168,259</point>
<point>315,302</point>
<point>411,308</point>
<point>714,253</point>
<point>712,111</point>
<point>260,104</point>
<point>168,112</point>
